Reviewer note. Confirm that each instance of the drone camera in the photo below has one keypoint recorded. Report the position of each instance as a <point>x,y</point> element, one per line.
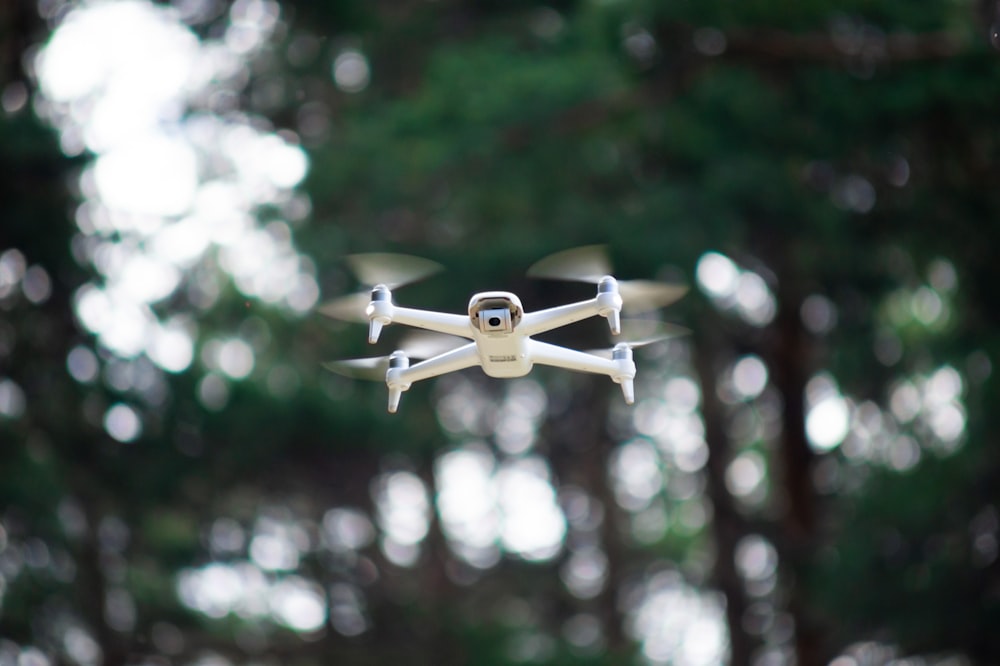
<point>495,312</point>
<point>495,321</point>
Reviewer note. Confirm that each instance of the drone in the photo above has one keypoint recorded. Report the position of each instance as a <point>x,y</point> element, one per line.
<point>496,333</point>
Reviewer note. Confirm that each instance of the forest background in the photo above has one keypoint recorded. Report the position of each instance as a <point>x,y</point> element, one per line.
<point>808,477</point>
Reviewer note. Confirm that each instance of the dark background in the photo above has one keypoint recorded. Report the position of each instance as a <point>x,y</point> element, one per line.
<point>839,159</point>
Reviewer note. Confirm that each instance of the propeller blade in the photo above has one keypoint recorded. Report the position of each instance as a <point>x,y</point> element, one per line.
<point>348,308</point>
<point>642,332</point>
<point>590,263</point>
<point>427,344</point>
<point>392,270</point>
<point>417,345</point>
<point>372,369</point>
<point>582,264</point>
<point>638,332</point>
<point>646,295</point>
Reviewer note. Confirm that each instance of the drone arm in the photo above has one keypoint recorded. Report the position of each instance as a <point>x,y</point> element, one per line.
<point>399,378</point>
<point>607,304</point>
<point>465,356</point>
<point>620,368</point>
<point>562,315</point>
<point>570,359</point>
<point>441,322</point>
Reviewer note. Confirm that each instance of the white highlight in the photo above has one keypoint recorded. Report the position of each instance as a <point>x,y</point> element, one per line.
<point>123,423</point>
<point>403,514</point>
<point>533,523</point>
<point>170,183</point>
<point>749,376</point>
<point>735,289</point>
<point>467,504</point>
<point>298,604</point>
<point>151,175</point>
<point>351,72</point>
<point>486,505</point>
<point>676,624</point>
<point>827,423</point>
<point>828,415</point>
<point>717,275</point>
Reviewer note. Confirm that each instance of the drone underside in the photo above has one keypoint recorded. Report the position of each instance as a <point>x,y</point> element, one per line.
<point>497,330</point>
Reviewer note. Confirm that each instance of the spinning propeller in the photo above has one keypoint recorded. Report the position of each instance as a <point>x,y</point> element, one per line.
<point>640,333</point>
<point>392,270</point>
<point>372,369</point>
<point>621,353</point>
<point>380,368</point>
<point>591,264</point>
<point>382,272</point>
<point>374,270</point>
<point>417,345</point>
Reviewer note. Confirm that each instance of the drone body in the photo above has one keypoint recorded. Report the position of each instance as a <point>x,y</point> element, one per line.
<point>497,329</point>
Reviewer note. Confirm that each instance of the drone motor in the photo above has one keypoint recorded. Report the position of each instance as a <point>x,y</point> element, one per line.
<point>398,362</point>
<point>609,303</point>
<point>379,311</point>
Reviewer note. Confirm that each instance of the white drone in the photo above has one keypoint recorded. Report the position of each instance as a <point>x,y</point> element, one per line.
<point>498,330</point>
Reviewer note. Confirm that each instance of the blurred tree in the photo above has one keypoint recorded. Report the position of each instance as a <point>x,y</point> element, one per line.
<point>807,478</point>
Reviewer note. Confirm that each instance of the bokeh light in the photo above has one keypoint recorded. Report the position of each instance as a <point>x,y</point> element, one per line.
<point>467,503</point>
<point>351,72</point>
<point>123,423</point>
<point>732,288</point>
<point>533,523</point>
<point>403,515</point>
<point>172,191</point>
<point>188,201</point>
<point>676,624</point>
<point>828,416</point>
<point>749,376</point>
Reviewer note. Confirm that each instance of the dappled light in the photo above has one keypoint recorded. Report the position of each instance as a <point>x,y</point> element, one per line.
<point>746,475</point>
<point>492,503</point>
<point>736,289</point>
<point>533,525</point>
<point>829,413</point>
<point>819,314</point>
<point>923,414</point>
<point>33,280</point>
<point>749,377</point>
<point>351,71</point>
<point>259,587</point>
<point>122,423</point>
<point>466,501</point>
<point>799,212</point>
<point>171,184</point>
<point>676,624</point>
<point>403,514</point>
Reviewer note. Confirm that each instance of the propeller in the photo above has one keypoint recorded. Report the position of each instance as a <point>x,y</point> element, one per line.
<point>641,332</point>
<point>590,263</point>
<point>392,270</point>
<point>372,369</point>
<point>416,345</point>
<point>377,268</point>
<point>427,344</point>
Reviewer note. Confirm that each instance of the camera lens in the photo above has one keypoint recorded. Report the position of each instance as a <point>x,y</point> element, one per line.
<point>494,321</point>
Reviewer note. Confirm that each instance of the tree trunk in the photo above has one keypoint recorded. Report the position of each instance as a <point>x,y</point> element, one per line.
<point>791,364</point>
<point>728,526</point>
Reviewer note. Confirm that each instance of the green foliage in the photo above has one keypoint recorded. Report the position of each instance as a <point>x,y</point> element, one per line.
<point>912,538</point>
<point>491,134</point>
